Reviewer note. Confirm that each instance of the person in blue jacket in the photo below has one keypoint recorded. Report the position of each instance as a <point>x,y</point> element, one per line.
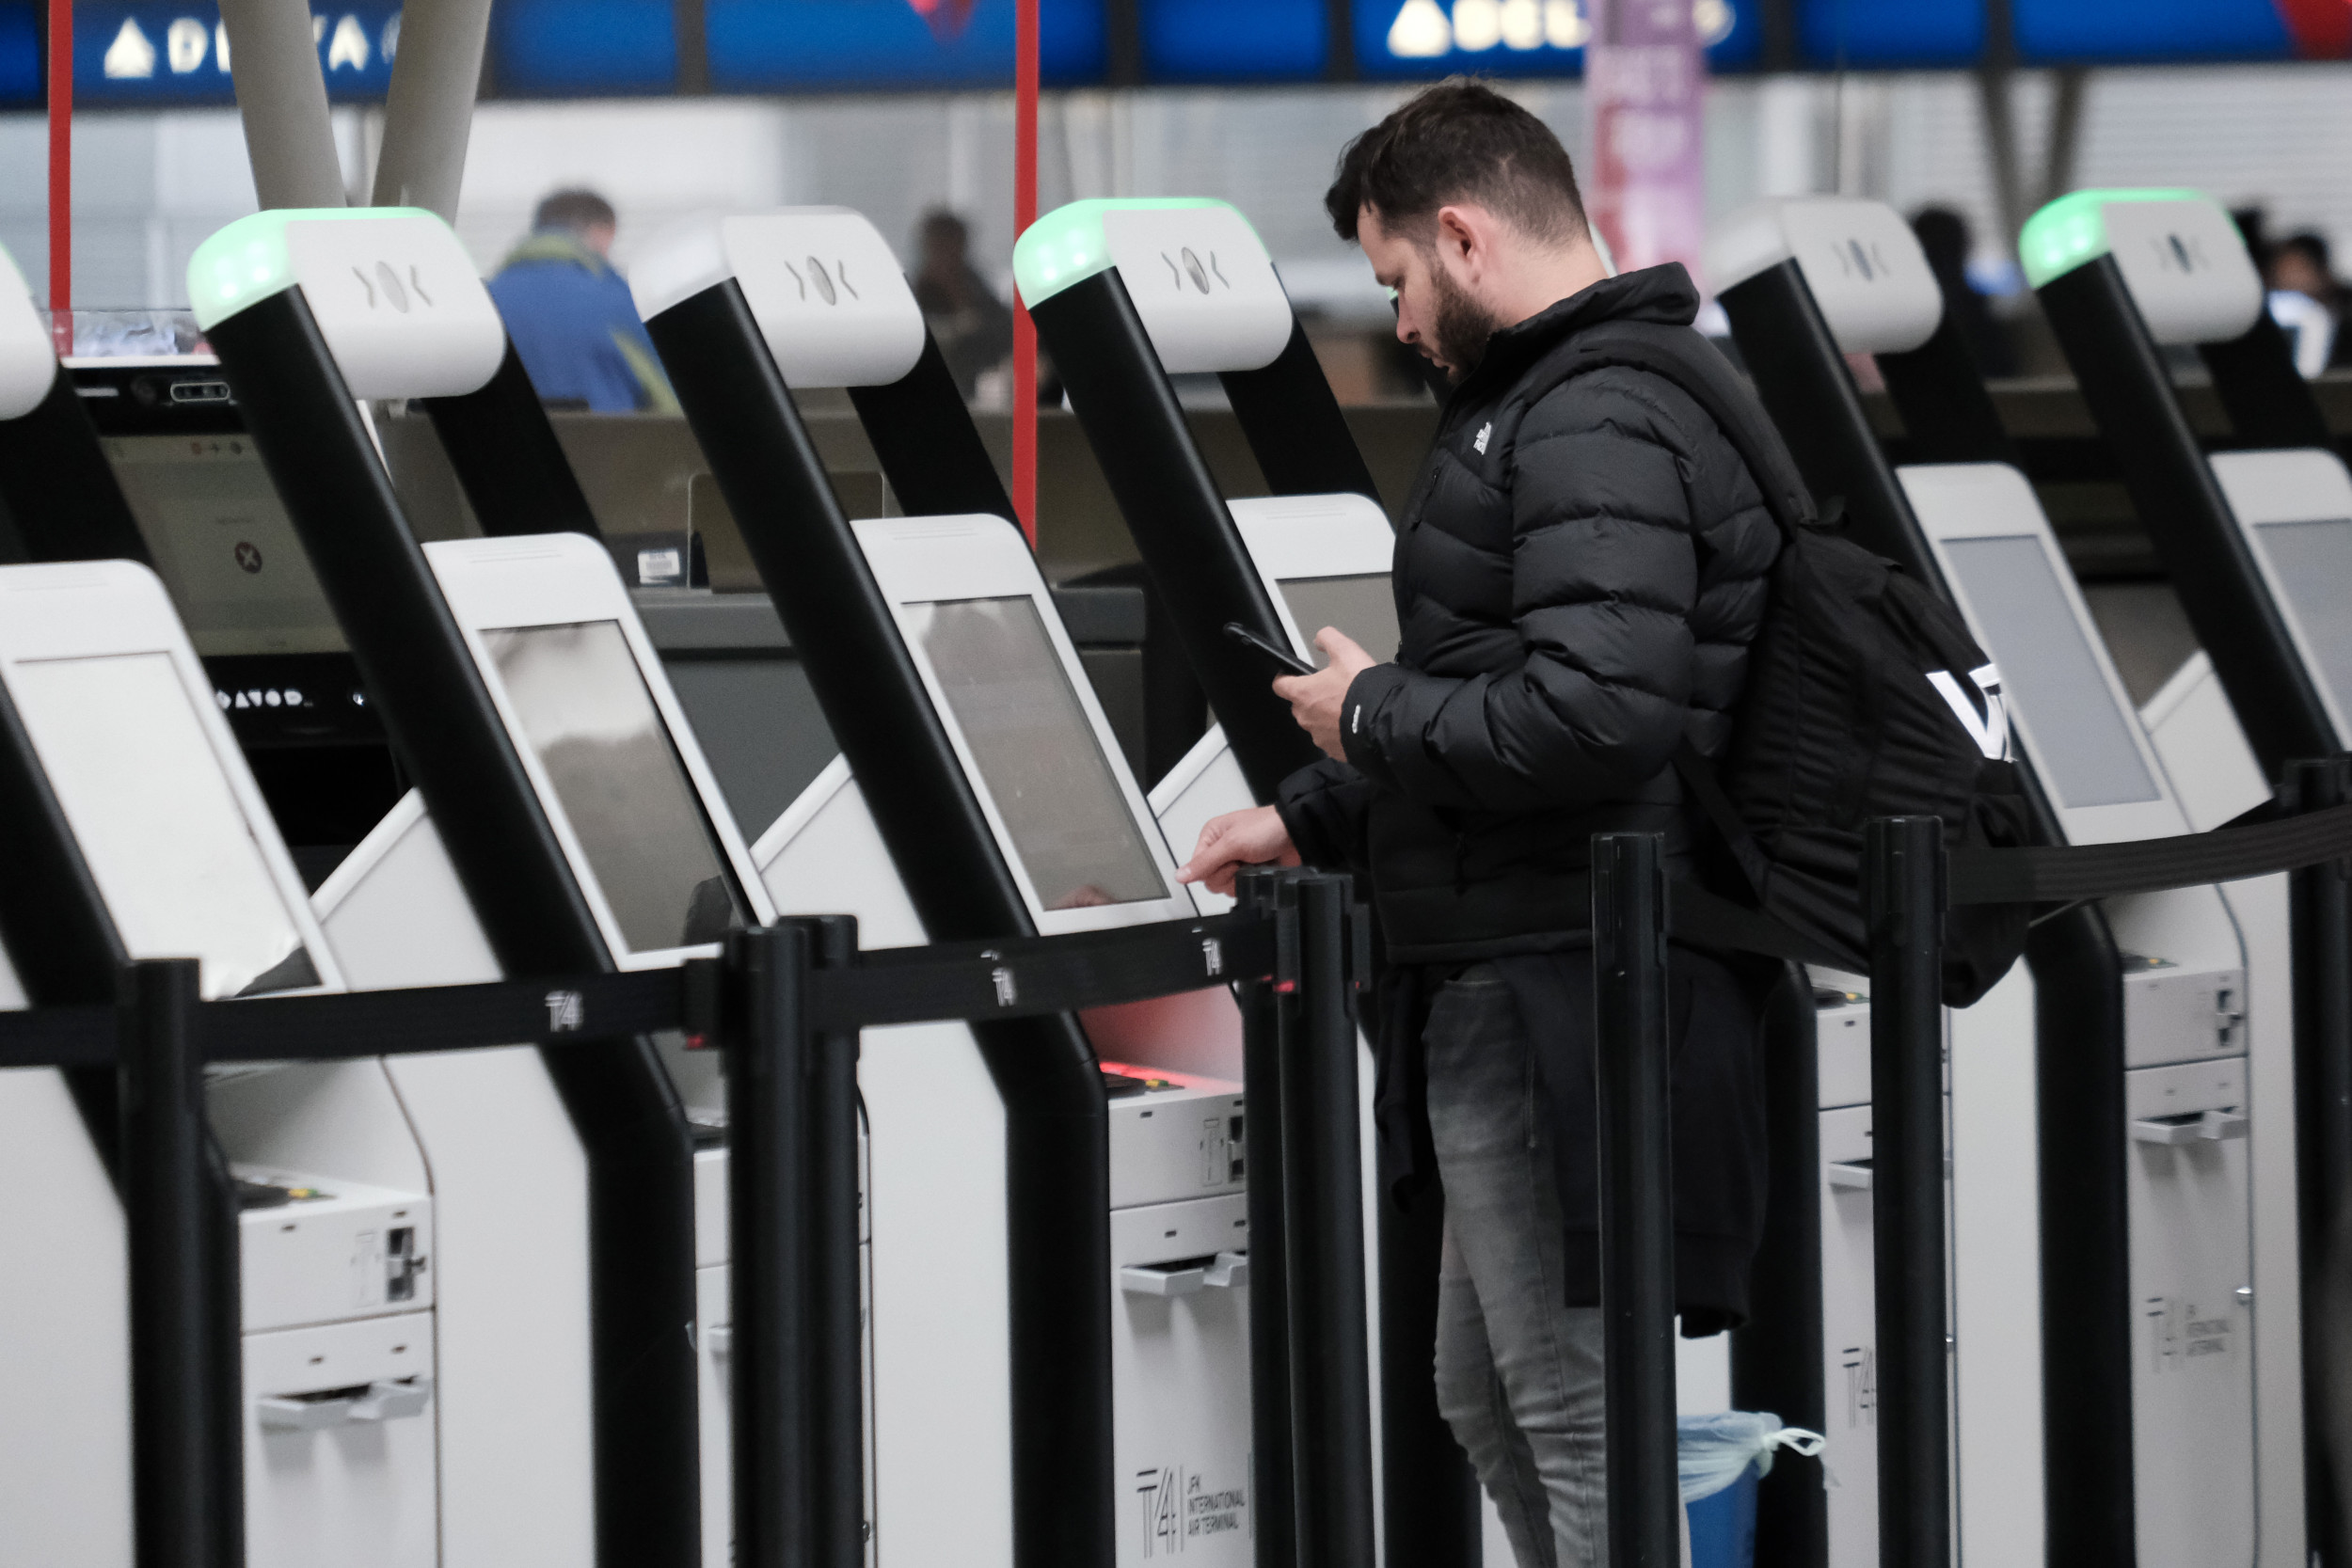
<point>571,316</point>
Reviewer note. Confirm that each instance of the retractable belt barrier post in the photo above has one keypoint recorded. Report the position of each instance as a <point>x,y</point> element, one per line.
<point>1904,862</point>
<point>1637,1265</point>
<point>186,1440</point>
<point>1272,1480</point>
<point>1330,1369</point>
<point>786,1003</point>
<point>2319,903</point>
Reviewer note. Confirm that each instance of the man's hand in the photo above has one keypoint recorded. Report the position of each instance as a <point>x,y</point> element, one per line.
<point>1234,840</point>
<point>1316,700</point>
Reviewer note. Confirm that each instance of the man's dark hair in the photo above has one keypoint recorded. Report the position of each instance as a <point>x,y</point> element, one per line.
<point>577,211</point>
<point>1459,141</point>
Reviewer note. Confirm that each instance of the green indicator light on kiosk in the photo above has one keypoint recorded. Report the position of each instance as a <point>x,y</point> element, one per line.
<point>1068,246</point>
<point>2074,229</point>
<point>249,260</point>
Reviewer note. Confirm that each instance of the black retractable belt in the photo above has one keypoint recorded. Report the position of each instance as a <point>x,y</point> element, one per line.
<point>787,1003</point>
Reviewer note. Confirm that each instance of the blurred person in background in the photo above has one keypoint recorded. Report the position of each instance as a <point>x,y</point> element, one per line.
<point>1944,235</point>
<point>2308,302</point>
<point>973,326</point>
<point>571,316</point>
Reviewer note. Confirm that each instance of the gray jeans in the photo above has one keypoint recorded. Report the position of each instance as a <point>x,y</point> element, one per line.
<point>1519,1376</point>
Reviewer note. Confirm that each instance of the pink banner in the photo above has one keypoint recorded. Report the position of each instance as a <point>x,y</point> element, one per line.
<point>1646,178</point>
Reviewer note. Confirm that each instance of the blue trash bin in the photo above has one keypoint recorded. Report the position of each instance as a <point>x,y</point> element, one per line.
<point>1720,1458</point>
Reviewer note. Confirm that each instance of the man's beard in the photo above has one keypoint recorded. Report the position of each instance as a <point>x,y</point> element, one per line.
<point>1462,326</point>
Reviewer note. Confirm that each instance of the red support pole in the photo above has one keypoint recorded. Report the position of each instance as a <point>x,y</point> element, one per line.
<point>1024,89</point>
<point>61,174</point>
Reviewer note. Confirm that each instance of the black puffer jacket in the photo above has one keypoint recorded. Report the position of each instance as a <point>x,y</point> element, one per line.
<point>1578,578</point>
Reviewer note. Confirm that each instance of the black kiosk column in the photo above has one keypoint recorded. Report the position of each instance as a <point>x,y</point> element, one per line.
<point>1057,1125</point>
<point>304,310</point>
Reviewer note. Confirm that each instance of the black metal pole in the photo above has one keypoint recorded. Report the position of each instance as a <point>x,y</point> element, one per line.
<point>171,1205</point>
<point>1904,859</point>
<point>1637,1266</point>
<point>1271,1482</point>
<point>1322,1214</point>
<point>2320,914</point>
<point>836,1304</point>
<point>1776,1361</point>
<point>770,1214</point>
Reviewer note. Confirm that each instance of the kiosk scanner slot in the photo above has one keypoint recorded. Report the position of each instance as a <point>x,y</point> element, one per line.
<point>2127,1241</point>
<point>305,310</point>
<point>2248,540</point>
<point>977,755</point>
<point>1126,292</point>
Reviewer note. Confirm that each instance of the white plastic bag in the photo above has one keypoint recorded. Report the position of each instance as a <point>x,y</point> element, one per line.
<point>1713,1451</point>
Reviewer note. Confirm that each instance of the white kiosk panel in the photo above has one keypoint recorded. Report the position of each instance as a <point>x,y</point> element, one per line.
<point>150,780</point>
<point>2296,510</point>
<point>2188,1198</point>
<point>1023,717</point>
<point>606,746</point>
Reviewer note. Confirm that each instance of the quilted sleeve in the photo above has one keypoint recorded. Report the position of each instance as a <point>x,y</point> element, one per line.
<point>1604,573</point>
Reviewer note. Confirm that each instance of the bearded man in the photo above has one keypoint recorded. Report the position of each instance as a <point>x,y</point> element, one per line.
<point>1578,578</point>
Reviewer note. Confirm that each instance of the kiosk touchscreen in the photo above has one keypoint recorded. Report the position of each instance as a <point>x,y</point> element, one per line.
<point>2166,1348</point>
<point>337,1215</point>
<point>976,742</point>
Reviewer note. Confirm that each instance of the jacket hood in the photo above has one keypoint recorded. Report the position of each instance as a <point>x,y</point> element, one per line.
<point>1664,294</point>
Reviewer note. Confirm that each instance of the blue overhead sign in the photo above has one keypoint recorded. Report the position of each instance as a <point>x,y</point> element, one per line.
<point>20,52</point>
<point>552,47</point>
<point>777,45</point>
<point>158,52</point>
<point>1521,38</point>
<point>1236,40</point>
<point>1838,34</point>
<point>2151,29</point>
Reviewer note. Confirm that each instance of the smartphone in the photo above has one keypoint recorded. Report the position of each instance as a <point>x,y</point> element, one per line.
<point>1292,664</point>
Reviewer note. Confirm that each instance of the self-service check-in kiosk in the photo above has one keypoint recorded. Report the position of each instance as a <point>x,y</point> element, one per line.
<point>2147,1203</point>
<point>558,788</point>
<point>1093,1216</point>
<point>149,460</point>
<point>337,1209</point>
<point>1126,292</point>
<point>2252,541</point>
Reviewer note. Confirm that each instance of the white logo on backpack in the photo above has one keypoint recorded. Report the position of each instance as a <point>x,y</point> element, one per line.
<point>1990,733</point>
<point>1484,431</point>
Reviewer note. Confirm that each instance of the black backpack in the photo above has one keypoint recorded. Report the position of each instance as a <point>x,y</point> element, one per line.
<point>1866,697</point>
